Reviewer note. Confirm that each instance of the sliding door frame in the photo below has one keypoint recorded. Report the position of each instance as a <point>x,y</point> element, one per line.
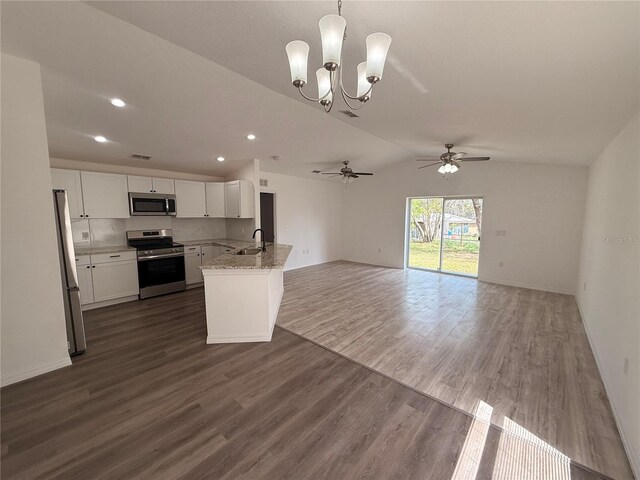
<point>407,233</point>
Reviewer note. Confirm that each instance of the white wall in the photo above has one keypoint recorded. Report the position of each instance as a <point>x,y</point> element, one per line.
<point>608,288</point>
<point>308,216</point>
<point>540,207</point>
<point>33,330</point>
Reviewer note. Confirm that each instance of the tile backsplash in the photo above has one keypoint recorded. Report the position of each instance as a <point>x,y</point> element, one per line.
<point>101,232</point>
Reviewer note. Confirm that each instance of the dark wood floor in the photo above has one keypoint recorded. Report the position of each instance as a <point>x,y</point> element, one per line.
<point>150,399</point>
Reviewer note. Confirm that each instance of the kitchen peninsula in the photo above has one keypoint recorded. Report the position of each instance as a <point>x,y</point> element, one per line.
<point>243,290</point>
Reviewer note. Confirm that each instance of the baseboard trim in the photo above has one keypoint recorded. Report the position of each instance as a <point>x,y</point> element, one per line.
<point>633,460</point>
<point>529,286</point>
<point>211,339</point>
<point>106,303</point>
<point>28,373</point>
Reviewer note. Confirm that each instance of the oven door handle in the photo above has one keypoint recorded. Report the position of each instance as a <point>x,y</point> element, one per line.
<point>153,257</point>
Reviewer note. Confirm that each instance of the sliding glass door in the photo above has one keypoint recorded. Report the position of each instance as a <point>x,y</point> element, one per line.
<point>443,234</point>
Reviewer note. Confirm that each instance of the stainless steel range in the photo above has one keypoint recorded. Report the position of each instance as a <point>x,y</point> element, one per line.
<point>160,262</point>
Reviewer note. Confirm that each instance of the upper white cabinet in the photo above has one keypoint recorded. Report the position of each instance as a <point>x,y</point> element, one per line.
<point>105,195</point>
<point>190,199</point>
<point>69,180</point>
<point>239,199</point>
<point>150,185</point>
<point>215,199</point>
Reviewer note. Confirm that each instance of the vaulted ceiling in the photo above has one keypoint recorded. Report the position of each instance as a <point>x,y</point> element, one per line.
<point>548,82</point>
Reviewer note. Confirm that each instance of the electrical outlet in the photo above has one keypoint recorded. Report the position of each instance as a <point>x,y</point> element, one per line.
<point>501,264</point>
<point>625,369</point>
<point>85,235</point>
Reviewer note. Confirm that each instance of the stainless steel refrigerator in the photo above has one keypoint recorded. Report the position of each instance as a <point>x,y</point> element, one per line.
<point>69,274</point>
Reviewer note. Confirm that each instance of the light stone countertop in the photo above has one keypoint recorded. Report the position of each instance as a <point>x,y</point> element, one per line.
<point>97,250</point>
<point>274,258</point>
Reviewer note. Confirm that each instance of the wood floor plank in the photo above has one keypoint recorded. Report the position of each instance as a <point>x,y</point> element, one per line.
<point>524,352</point>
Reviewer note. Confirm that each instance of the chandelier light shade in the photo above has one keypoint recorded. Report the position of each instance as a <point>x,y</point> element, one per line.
<point>324,86</point>
<point>298,53</point>
<point>333,34</point>
<point>377,48</point>
<point>364,86</point>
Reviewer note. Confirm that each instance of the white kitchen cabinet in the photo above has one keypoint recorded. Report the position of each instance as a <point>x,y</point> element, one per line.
<point>163,185</point>
<point>209,252</point>
<point>105,195</point>
<point>192,261</point>
<point>150,185</point>
<point>85,280</point>
<point>69,180</point>
<point>215,199</point>
<point>114,279</point>
<point>239,199</point>
<point>190,199</point>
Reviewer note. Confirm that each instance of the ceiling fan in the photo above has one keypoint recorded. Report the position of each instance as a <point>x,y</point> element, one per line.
<point>448,161</point>
<point>347,173</point>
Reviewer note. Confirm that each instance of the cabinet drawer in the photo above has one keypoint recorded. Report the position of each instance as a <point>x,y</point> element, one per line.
<point>83,259</point>
<point>191,249</point>
<point>226,250</point>
<point>113,257</point>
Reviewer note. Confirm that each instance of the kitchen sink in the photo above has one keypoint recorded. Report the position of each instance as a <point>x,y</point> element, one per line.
<point>249,251</point>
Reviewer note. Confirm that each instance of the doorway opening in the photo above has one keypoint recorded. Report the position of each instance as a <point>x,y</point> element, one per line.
<point>443,234</point>
<point>268,216</point>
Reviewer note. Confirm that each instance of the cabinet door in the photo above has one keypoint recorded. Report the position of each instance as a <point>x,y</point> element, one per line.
<point>85,283</point>
<point>191,271</point>
<point>247,199</point>
<point>140,184</point>
<point>190,199</point>
<point>232,199</point>
<point>215,199</point>
<point>163,185</point>
<point>210,252</point>
<point>69,180</point>
<point>105,195</point>
<point>115,280</point>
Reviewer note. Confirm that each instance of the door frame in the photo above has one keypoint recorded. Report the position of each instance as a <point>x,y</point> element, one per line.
<point>407,234</point>
<point>275,210</point>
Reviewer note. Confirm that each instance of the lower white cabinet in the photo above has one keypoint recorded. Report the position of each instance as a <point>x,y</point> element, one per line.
<point>107,276</point>
<point>192,261</point>
<point>85,280</point>
<point>209,252</point>
<point>115,280</point>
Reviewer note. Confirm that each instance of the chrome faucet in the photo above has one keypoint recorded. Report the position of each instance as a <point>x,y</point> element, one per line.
<point>264,244</point>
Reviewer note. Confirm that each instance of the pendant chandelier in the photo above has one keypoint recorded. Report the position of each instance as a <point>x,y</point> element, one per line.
<point>329,76</point>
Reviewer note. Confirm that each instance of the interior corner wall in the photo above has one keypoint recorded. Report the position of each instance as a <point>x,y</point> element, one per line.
<point>32,321</point>
<point>540,208</point>
<point>308,216</point>
<point>608,290</point>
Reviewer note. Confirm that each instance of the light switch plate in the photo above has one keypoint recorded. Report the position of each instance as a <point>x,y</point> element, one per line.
<point>85,235</point>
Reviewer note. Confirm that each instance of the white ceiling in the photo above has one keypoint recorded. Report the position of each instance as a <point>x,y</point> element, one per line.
<point>548,82</point>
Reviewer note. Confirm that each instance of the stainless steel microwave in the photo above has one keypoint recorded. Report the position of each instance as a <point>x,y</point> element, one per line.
<point>152,204</point>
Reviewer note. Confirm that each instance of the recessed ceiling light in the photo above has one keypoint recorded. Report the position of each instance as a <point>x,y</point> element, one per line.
<point>116,102</point>
<point>251,136</point>
<point>220,159</point>
<point>100,139</point>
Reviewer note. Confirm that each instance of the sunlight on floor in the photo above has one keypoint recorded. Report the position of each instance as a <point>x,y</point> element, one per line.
<point>524,456</point>
<point>471,453</point>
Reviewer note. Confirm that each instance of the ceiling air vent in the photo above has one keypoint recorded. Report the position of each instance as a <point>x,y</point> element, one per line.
<point>139,156</point>
<point>264,182</point>
<point>349,114</point>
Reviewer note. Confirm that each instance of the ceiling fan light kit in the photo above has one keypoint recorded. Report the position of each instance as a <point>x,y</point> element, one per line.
<point>448,161</point>
<point>329,76</point>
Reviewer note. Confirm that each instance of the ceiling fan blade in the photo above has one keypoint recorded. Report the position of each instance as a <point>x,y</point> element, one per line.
<point>475,159</point>
<point>430,165</point>
<point>362,173</point>
<point>354,175</point>
<point>455,163</point>
<point>331,173</point>
<point>427,159</point>
<point>459,155</point>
